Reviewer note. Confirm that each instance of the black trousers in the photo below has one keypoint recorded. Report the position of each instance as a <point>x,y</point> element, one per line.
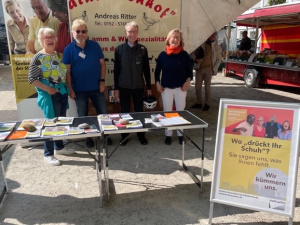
<point>125,101</point>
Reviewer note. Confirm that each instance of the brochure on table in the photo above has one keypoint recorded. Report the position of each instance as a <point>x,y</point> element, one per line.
<point>5,130</point>
<point>44,128</point>
<point>116,121</point>
<point>59,121</point>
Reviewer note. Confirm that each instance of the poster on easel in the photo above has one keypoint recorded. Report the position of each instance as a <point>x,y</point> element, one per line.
<point>256,156</point>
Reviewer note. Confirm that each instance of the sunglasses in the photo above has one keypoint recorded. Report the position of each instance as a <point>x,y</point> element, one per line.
<point>80,31</point>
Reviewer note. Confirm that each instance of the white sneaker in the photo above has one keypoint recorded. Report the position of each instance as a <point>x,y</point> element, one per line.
<point>64,151</point>
<point>51,160</point>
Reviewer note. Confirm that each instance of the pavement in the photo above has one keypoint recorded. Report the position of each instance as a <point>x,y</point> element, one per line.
<point>148,184</point>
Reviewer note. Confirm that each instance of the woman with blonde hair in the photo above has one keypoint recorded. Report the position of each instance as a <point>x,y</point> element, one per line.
<point>173,74</point>
<point>259,129</point>
<point>18,27</point>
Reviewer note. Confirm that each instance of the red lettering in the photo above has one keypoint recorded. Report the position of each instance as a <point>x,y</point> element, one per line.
<point>122,38</point>
<point>157,8</point>
<point>164,13</point>
<point>140,1</point>
<point>72,4</point>
<point>149,3</point>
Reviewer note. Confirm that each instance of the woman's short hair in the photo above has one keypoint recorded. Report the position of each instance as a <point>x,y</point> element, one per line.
<point>176,30</point>
<point>45,31</point>
<point>11,2</point>
<point>131,24</point>
<point>78,23</point>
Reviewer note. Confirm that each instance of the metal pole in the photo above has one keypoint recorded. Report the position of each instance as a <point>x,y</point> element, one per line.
<point>256,35</point>
<point>228,40</point>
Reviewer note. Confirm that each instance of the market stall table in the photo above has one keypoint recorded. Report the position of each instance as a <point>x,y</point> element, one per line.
<point>193,123</point>
<point>8,143</point>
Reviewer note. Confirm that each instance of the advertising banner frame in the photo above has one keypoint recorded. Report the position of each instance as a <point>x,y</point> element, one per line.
<point>256,173</point>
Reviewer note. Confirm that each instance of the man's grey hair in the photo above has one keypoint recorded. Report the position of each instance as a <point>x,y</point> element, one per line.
<point>131,24</point>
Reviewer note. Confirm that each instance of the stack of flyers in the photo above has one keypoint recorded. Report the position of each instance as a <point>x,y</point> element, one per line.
<point>7,126</point>
<point>134,124</point>
<point>126,116</point>
<point>92,129</point>
<point>56,131</point>
<point>76,130</point>
<point>38,123</point>
<point>119,125</point>
<point>33,134</point>
<point>109,127</point>
<point>114,117</point>
<point>59,121</point>
<point>104,119</point>
<point>4,135</point>
<point>5,130</point>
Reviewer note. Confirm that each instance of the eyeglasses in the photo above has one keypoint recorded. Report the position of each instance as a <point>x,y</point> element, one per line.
<point>49,38</point>
<point>80,31</point>
<point>132,31</point>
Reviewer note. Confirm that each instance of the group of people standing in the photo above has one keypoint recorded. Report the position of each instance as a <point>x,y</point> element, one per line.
<point>23,31</point>
<point>270,129</point>
<point>80,74</point>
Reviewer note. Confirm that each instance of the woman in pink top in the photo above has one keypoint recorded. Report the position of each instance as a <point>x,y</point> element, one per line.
<point>259,130</point>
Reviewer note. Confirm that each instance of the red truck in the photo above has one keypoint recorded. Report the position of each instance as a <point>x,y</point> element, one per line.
<point>280,36</point>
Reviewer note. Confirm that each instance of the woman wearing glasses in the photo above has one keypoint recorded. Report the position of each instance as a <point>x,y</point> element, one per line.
<point>48,74</point>
<point>18,27</point>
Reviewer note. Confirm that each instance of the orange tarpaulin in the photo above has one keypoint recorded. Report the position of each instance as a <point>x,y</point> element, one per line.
<point>283,39</point>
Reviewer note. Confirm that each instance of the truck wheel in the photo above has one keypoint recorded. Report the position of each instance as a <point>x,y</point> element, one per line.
<point>251,78</point>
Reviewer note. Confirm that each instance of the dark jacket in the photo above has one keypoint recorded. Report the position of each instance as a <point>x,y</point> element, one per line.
<point>173,69</point>
<point>131,67</point>
<point>245,44</point>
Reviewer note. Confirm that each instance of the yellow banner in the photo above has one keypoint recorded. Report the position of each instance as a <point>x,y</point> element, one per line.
<point>106,21</point>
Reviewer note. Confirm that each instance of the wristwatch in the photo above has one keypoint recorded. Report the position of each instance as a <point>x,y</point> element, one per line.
<point>102,80</point>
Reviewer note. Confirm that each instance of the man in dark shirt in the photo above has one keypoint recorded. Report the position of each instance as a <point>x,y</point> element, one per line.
<point>131,72</point>
<point>245,42</point>
<point>272,127</point>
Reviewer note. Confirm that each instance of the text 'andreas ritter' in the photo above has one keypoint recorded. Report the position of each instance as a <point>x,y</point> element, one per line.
<point>111,16</point>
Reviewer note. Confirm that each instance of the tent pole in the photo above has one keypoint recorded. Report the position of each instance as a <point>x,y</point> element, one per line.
<point>228,40</point>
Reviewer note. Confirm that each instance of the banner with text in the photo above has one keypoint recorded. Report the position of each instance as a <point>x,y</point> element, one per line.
<point>105,20</point>
<point>106,24</point>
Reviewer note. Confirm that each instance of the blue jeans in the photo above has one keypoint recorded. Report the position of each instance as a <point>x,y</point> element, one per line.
<point>60,103</point>
<point>97,98</point>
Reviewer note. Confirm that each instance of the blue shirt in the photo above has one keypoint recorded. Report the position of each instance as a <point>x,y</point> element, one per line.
<point>176,68</point>
<point>85,71</point>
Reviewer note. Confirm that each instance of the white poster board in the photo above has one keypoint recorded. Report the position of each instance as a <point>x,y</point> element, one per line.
<point>256,162</point>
